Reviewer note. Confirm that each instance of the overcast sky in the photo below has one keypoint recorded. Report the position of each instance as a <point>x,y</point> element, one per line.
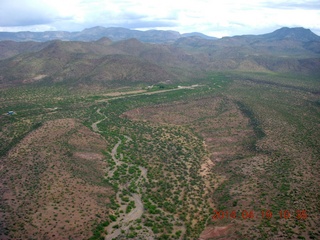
<point>213,17</point>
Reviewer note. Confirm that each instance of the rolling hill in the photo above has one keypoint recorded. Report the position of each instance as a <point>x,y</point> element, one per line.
<point>99,62</point>
<point>194,138</point>
<point>95,62</point>
<point>54,184</point>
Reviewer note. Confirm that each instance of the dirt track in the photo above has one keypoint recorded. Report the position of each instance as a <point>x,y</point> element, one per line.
<point>149,93</point>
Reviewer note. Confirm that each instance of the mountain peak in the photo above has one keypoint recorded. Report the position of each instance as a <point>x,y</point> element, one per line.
<point>297,34</point>
<point>130,45</point>
<point>198,34</point>
<point>96,28</point>
<point>104,40</point>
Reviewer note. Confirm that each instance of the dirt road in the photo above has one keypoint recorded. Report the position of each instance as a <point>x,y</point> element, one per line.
<point>150,93</point>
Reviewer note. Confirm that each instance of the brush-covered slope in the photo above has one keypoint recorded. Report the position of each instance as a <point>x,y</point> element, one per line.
<point>100,61</point>
<point>10,48</point>
<point>82,61</point>
<point>284,50</point>
<point>105,62</point>
<point>297,34</point>
<point>52,183</point>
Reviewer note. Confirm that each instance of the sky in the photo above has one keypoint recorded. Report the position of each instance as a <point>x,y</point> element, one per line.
<point>212,17</point>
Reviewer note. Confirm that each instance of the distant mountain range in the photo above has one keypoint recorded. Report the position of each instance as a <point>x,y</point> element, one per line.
<point>95,33</point>
<point>152,36</point>
<point>181,57</point>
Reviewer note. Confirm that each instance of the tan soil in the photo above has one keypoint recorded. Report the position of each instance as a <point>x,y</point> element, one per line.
<point>215,233</point>
<point>116,94</point>
<point>119,95</point>
<point>89,155</point>
<point>34,79</point>
<point>223,128</point>
<point>94,125</point>
<point>52,187</point>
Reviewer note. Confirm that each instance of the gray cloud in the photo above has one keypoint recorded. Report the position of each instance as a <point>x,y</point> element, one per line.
<point>24,13</point>
<point>146,24</point>
<point>129,19</point>
<point>24,21</point>
<point>218,19</point>
<point>306,5</point>
<point>133,20</point>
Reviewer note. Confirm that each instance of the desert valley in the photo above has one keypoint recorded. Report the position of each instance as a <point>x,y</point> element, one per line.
<point>112,133</point>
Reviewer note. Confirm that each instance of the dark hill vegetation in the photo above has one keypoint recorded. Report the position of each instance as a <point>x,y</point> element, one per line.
<point>192,139</point>
<point>297,34</point>
<point>99,62</point>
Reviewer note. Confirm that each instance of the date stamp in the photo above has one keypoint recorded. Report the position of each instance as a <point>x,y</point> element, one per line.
<point>263,214</point>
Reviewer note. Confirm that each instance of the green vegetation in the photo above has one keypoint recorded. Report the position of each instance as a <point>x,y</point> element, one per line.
<point>262,141</point>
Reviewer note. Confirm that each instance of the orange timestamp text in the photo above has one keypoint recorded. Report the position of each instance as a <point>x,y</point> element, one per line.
<point>263,214</point>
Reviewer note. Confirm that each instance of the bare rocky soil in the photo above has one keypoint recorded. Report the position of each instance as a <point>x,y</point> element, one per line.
<point>52,186</point>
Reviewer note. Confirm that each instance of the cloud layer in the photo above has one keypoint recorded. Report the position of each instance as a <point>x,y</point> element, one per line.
<point>216,18</point>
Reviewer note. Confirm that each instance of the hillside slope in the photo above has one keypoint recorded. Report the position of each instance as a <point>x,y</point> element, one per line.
<point>131,61</point>
<point>54,176</point>
<point>99,62</point>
